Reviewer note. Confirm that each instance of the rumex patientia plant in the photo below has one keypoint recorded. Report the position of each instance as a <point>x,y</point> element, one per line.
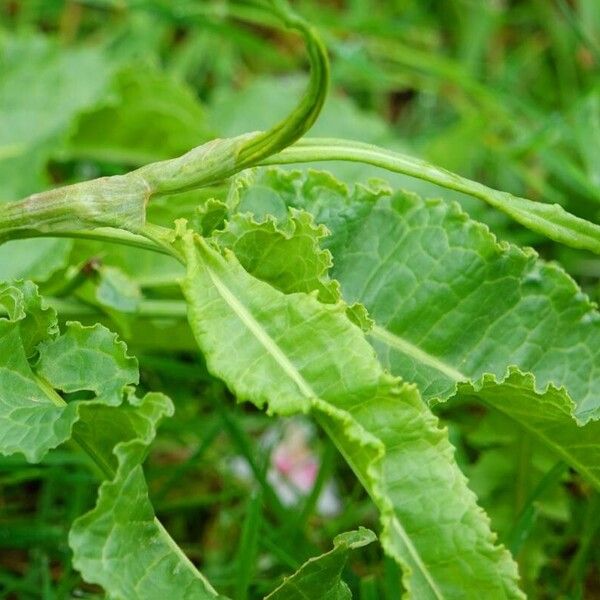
<point>361,308</point>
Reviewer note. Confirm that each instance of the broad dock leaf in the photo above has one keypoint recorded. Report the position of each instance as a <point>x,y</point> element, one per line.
<point>450,302</point>
<point>453,306</point>
<point>294,354</point>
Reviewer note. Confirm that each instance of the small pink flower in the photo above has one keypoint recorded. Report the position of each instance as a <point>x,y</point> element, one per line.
<point>294,467</point>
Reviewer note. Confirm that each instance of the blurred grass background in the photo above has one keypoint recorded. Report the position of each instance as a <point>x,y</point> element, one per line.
<point>503,91</point>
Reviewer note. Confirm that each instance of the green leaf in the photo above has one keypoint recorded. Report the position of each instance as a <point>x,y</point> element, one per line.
<point>298,355</point>
<point>469,306</point>
<point>32,419</point>
<point>88,358</point>
<point>288,256</point>
<point>42,89</point>
<point>320,578</point>
<point>452,305</point>
<point>120,544</point>
<point>209,216</point>
<point>285,252</point>
<point>35,259</point>
<point>450,302</point>
<point>117,291</point>
<point>119,130</point>
<point>107,287</point>
<point>548,416</point>
<point>36,418</point>
<point>26,311</point>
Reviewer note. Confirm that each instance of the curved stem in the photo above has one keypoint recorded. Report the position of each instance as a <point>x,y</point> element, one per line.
<point>550,220</point>
<point>120,201</point>
<point>296,124</point>
<point>221,158</point>
<point>102,234</point>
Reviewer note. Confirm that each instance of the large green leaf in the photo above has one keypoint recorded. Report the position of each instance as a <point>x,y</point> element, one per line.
<point>35,417</point>
<point>88,358</point>
<point>452,305</point>
<point>457,312</point>
<point>294,354</point>
<point>320,577</point>
<point>450,302</point>
<point>120,544</point>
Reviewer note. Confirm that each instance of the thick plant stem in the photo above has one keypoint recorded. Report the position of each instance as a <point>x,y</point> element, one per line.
<point>107,235</point>
<point>222,158</point>
<point>550,220</point>
<point>120,201</point>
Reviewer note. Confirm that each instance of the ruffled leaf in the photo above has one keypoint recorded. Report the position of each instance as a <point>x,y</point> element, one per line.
<point>120,544</point>
<point>455,309</point>
<point>294,354</point>
<point>88,358</point>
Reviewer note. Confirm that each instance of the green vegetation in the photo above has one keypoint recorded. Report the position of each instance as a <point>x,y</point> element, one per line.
<point>260,339</point>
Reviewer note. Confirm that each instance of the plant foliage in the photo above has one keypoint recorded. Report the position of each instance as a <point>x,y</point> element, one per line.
<point>374,313</point>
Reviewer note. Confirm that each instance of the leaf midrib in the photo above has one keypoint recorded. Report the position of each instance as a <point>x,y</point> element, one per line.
<point>289,368</point>
<point>261,335</point>
<point>410,349</point>
<point>406,347</point>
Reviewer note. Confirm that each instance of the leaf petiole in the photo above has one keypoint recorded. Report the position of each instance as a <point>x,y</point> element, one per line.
<point>550,220</point>
<point>105,468</point>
